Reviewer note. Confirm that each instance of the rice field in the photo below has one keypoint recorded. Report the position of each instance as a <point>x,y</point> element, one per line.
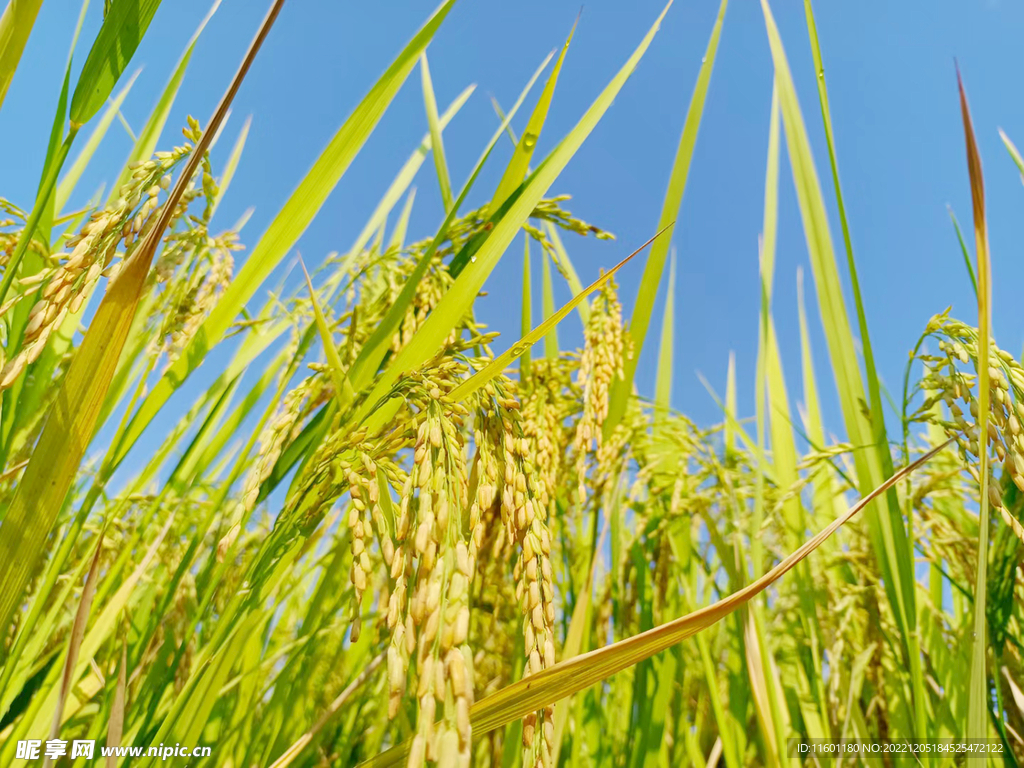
<point>379,533</point>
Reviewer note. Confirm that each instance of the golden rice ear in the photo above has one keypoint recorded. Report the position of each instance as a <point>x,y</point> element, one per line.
<point>575,674</point>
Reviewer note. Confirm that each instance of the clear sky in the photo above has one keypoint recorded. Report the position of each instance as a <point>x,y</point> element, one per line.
<point>889,68</point>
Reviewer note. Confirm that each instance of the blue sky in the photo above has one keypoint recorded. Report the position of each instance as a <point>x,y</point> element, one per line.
<point>889,68</point>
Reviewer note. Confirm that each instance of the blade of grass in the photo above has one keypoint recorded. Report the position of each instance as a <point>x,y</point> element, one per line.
<point>509,130</point>
<point>437,145</point>
<point>527,310</point>
<point>565,268</point>
<point>902,539</point>
<point>576,636</point>
<point>1014,153</point>
<point>663,380</point>
<point>398,234</point>
<point>342,387</point>
<point>729,428</point>
<point>519,165</point>
<point>762,688</point>
<point>903,542</point>
<point>648,290</point>
<point>770,704</point>
<point>823,494</point>
<point>963,250</point>
<point>548,307</point>
<point>15,27</point>
<point>730,746</point>
<point>766,258</point>
<point>75,641</point>
<point>232,164</point>
<point>43,233</point>
<point>289,755</point>
<point>115,729</point>
<point>124,26</point>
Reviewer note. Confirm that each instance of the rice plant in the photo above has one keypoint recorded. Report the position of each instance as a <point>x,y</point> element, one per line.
<point>382,534</point>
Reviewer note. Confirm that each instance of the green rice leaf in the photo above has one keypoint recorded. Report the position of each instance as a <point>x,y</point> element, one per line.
<point>813,425</point>
<point>885,524</point>
<point>663,379</point>
<point>527,310</point>
<point>397,240</point>
<point>519,165</point>
<point>963,250</point>
<point>115,729</point>
<point>648,290</point>
<point>289,755</point>
<point>1014,152</point>
<point>123,28</point>
<point>232,164</point>
<point>729,428</point>
<point>565,268</point>
<point>15,27</point>
<point>548,307</point>
<point>342,387</point>
<point>898,551</point>
<point>75,641</point>
<point>437,145</point>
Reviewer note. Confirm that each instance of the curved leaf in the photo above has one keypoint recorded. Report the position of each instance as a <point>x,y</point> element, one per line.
<point>123,28</point>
